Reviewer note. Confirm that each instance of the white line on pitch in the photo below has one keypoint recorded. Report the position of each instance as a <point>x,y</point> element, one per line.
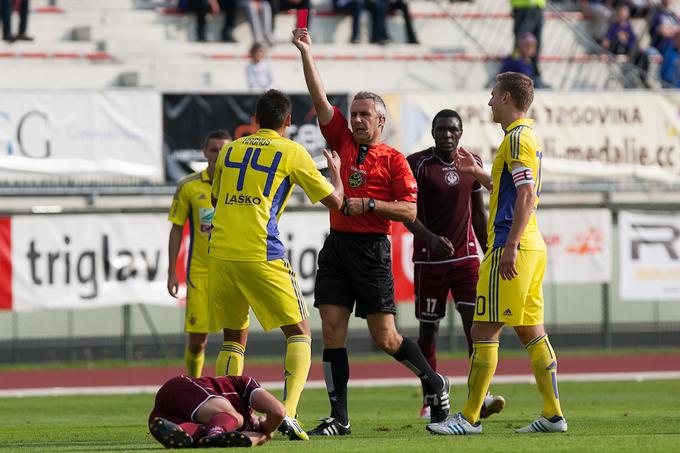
<point>455,380</point>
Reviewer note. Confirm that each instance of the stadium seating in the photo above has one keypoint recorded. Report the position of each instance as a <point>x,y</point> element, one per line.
<point>99,43</point>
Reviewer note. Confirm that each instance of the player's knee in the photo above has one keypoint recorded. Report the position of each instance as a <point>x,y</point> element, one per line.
<point>387,341</point>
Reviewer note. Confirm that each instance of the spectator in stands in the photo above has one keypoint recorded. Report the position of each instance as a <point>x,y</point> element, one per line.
<point>598,13</point>
<point>6,9</point>
<point>201,8</point>
<point>521,59</point>
<point>402,5</point>
<point>259,15</point>
<point>622,40</point>
<point>258,72</point>
<point>527,16</point>
<point>378,10</point>
<point>670,67</point>
<point>663,26</point>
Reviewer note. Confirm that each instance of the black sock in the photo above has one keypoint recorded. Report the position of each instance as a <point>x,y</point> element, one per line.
<point>410,355</point>
<point>336,374</point>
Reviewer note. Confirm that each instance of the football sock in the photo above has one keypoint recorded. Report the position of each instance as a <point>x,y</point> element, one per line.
<point>429,350</point>
<point>221,422</point>
<point>544,365</point>
<point>410,356</point>
<point>194,362</point>
<point>230,360</point>
<point>298,361</point>
<point>195,430</point>
<point>336,374</point>
<point>483,364</point>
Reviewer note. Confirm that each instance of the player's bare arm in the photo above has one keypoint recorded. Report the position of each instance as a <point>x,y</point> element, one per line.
<point>438,244</point>
<point>335,199</point>
<point>466,163</point>
<point>524,206</point>
<point>324,109</point>
<point>174,244</point>
<point>399,211</point>
<point>264,402</point>
<point>479,218</point>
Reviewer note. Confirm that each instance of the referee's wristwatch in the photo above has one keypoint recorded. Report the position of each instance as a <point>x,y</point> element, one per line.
<point>371,204</point>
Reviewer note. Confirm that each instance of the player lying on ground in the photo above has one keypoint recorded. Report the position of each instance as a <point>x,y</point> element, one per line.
<point>214,412</point>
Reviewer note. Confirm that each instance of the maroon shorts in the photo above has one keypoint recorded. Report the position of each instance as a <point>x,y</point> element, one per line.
<point>432,283</point>
<point>179,398</point>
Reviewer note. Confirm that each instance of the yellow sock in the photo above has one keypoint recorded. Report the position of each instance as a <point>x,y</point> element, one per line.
<point>483,364</point>
<point>230,360</point>
<point>298,361</point>
<point>544,364</point>
<point>194,362</point>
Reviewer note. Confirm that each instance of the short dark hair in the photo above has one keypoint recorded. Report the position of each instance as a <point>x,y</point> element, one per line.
<point>520,87</point>
<point>272,109</point>
<point>219,134</point>
<point>447,113</point>
<point>255,47</point>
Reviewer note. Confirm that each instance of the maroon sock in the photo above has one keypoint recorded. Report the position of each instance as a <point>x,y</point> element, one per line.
<point>193,429</point>
<point>430,352</point>
<point>221,422</point>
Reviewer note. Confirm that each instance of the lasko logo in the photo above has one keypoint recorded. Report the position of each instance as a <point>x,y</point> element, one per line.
<point>66,266</point>
<point>242,200</point>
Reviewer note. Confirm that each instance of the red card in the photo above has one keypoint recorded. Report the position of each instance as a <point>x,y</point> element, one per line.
<point>302,18</point>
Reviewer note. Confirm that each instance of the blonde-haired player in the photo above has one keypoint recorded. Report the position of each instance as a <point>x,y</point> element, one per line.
<point>509,290</point>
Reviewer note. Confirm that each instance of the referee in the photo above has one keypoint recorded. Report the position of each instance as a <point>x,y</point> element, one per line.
<point>355,265</point>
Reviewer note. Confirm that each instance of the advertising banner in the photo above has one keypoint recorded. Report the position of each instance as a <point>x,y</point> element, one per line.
<point>649,244</point>
<point>579,245</point>
<point>188,118</point>
<point>85,261</point>
<point>602,135</point>
<point>81,136</point>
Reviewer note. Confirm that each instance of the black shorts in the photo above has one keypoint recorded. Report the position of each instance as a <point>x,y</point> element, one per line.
<point>356,268</point>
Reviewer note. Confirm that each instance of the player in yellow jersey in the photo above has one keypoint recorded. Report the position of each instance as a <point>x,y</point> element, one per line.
<point>192,203</point>
<point>509,290</point>
<point>254,177</point>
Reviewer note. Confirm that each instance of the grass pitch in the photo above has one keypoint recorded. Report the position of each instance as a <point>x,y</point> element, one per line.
<point>603,417</point>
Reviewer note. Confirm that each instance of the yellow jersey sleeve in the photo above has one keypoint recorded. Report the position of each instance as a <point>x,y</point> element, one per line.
<point>522,148</point>
<point>180,208</point>
<point>217,176</point>
<point>304,173</point>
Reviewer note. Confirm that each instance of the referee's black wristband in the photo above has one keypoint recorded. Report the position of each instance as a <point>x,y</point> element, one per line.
<point>371,204</point>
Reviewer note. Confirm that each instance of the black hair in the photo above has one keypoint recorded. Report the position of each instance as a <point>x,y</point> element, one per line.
<point>272,109</point>
<point>219,134</point>
<point>447,113</point>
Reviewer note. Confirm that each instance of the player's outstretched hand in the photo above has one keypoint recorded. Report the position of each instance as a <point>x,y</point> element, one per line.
<point>333,161</point>
<point>465,162</point>
<point>301,39</point>
<point>173,285</point>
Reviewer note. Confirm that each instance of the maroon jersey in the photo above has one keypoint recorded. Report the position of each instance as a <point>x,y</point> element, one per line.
<point>444,206</point>
<point>179,398</point>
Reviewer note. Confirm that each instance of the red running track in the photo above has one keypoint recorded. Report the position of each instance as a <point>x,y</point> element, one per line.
<point>105,377</point>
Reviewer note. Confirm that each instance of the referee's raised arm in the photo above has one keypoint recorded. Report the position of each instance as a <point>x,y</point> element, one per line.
<point>324,109</point>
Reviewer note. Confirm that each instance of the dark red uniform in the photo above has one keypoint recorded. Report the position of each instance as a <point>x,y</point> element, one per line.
<point>444,207</point>
<point>180,397</point>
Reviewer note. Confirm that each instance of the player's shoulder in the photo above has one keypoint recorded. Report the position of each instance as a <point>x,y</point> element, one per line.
<point>187,181</point>
<point>419,155</point>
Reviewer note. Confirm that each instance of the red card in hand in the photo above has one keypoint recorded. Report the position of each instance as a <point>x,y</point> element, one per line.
<point>302,18</point>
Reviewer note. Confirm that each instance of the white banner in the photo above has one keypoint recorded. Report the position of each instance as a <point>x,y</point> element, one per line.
<point>649,244</point>
<point>87,261</point>
<point>607,135</point>
<point>579,245</point>
<point>72,136</point>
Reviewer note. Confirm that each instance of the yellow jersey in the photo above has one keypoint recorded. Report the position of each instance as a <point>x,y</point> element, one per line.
<point>521,144</point>
<point>192,202</point>
<point>254,177</point>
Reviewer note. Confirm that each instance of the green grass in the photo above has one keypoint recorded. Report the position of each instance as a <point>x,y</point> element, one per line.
<point>363,358</point>
<point>603,417</point>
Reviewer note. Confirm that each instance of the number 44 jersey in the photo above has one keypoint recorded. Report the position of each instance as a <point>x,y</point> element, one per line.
<point>254,176</point>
